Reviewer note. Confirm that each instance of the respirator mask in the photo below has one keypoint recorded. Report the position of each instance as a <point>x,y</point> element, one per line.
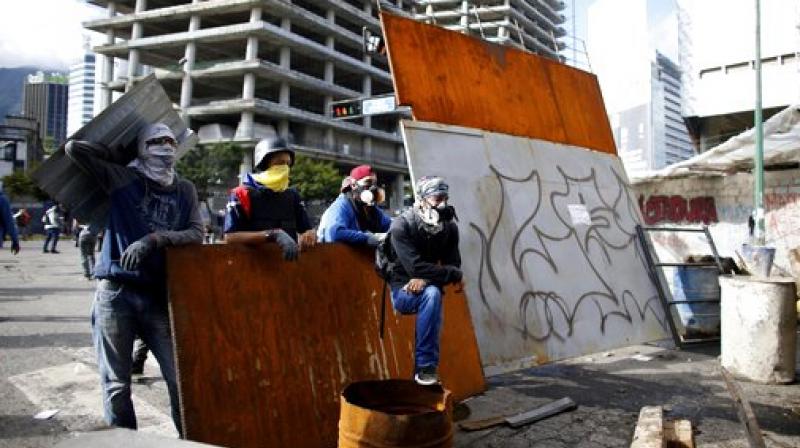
<point>368,192</point>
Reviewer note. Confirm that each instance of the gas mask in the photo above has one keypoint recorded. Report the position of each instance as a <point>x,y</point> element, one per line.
<point>368,192</point>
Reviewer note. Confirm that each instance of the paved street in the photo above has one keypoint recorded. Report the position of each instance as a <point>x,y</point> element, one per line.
<point>46,356</point>
<point>47,363</point>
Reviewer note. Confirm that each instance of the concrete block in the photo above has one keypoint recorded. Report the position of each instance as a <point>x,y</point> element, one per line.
<point>649,431</point>
<point>759,324</point>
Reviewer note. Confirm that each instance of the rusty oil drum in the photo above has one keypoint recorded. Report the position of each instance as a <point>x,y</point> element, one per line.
<point>395,413</point>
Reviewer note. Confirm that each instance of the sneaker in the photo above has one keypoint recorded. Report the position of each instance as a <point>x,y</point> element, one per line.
<point>54,252</point>
<point>426,376</point>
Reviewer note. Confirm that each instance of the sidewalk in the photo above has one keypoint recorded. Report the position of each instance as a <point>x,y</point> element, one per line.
<point>46,362</point>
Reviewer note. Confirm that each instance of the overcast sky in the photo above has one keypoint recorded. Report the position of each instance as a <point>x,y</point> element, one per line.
<point>44,33</point>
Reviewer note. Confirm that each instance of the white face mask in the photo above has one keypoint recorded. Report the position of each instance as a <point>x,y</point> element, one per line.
<point>157,163</point>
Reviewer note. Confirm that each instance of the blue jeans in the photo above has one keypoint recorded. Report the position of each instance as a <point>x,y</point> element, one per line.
<point>52,235</point>
<point>119,313</point>
<point>427,305</point>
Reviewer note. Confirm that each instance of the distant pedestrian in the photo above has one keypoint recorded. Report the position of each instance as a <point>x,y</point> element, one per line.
<point>22,219</point>
<point>7,225</point>
<point>53,220</point>
<point>87,239</point>
<point>76,231</point>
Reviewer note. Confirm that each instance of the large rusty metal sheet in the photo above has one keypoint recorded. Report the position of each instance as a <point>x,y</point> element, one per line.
<point>264,346</point>
<point>448,77</point>
<point>551,262</point>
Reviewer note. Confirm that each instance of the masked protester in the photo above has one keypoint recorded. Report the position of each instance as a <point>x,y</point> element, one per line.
<point>425,241</point>
<point>151,208</point>
<point>355,217</point>
<point>264,208</point>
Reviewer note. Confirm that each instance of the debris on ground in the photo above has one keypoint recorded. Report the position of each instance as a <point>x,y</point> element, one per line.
<point>46,414</point>
<point>521,419</point>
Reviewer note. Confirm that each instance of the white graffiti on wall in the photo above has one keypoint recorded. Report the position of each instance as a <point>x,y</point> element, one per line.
<point>539,284</point>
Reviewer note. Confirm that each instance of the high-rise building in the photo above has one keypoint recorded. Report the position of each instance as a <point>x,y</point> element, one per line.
<point>44,99</point>
<point>534,25</point>
<point>80,108</point>
<point>641,83</point>
<point>722,64</point>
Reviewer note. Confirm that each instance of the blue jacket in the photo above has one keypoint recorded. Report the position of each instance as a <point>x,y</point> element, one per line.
<point>7,225</point>
<point>138,207</point>
<point>339,223</point>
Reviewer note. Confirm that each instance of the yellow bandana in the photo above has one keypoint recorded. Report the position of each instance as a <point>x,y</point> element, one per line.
<point>276,178</point>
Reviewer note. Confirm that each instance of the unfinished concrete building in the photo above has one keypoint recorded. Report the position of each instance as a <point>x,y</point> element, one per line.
<point>254,67</point>
<point>249,68</point>
<point>533,25</point>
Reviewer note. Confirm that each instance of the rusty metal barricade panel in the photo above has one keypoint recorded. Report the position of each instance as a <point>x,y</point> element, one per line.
<point>264,347</point>
<point>448,77</point>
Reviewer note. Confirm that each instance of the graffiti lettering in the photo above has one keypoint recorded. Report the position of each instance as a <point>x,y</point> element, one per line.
<point>676,209</point>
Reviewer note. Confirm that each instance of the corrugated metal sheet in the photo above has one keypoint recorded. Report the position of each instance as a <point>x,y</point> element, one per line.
<point>448,77</point>
<point>264,347</point>
<point>116,127</point>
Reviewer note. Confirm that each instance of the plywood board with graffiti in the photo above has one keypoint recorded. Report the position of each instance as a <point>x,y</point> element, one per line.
<point>552,265</point>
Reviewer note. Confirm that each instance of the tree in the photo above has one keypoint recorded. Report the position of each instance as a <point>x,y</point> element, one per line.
<point>49,145</point>
<point>210,165</point>
<point>19,183</point>
<point>315,179</point>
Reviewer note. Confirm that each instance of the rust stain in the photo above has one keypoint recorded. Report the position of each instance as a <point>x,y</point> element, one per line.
<point>448,77</point>
<point>285,337</point>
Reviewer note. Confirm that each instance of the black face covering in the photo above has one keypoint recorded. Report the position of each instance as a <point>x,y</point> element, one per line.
<point>446,213</point>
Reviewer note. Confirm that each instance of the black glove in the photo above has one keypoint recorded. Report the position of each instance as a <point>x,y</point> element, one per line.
<point>287,244</point>
<point>136,252</point>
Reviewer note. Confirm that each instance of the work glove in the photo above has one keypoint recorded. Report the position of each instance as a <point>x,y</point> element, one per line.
<point>287,244</point>
<point>136,252</point>
<point>373,239</point>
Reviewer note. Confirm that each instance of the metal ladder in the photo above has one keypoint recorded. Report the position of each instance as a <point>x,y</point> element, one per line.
<point>657,275</point>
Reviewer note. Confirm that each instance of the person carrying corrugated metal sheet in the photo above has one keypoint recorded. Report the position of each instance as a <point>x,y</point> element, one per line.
<point>264,208</point>
<point>150,208</point>
<point>425,243</point>
<point>354,217</point>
